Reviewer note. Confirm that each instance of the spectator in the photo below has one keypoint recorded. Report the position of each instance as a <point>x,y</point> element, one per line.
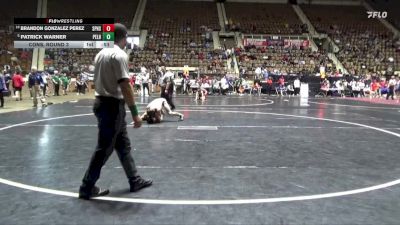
<point>256,89</point>
<point>290,89</point>
<point>361,86</point>
<point>340,87</point>
<point>258,71</point>
<point>296,85</point>
<point>79,85</point>
<point>132,80</point>
<point>223,86</point>
<point>138,83</point>
<point>3,89</point>
<point>65,80</point>
<point>44,84</point>
<point>35,81</point>
<point>145,81</point>
<point>281,82</point>
<point>355,88</point>
<point>270,85</point>
<point>325,86</point>
<point>32,80</point>
<point>392,83</point>
<point>7,78</point>
<point>84,80</point>
<point>50,86</point>
<point>265,73</point>
<point>17,83</point>
<point>56,83</point>
<point>186,85</point>
<point>382,87</point>
<point>374,89</point>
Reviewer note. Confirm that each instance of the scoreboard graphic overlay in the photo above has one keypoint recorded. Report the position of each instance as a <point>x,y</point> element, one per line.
<point>63,33</point>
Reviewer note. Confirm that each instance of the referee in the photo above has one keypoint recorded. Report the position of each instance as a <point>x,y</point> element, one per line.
<point>167,88</point>
<point>113,91</point>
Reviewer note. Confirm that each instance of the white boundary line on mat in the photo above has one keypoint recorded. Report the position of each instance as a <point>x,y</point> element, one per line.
<point>212,202</point>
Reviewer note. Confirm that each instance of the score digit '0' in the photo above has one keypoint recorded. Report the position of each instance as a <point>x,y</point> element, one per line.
<point>108,27</point>
<point>109,36</point>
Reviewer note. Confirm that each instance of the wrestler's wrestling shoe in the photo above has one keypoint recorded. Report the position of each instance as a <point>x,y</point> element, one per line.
<point>139,183</point>
<point>181,118</point>
<point>95,192</point>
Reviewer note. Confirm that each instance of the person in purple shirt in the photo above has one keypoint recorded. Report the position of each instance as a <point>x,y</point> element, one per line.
<point>3,88</point>
<point>35,80</point>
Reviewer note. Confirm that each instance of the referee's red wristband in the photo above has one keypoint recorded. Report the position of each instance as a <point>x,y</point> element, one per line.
<point>134,110</point>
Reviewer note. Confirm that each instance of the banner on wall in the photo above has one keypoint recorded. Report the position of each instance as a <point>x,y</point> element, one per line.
<point>263,42</point>
<point>258,42</point>
<point>275,42</point>
<point>296,43</point>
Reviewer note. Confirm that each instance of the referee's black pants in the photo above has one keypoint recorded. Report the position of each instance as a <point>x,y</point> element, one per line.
<point>112,134</point>
<point>146,86</point>
<point>168,97</point>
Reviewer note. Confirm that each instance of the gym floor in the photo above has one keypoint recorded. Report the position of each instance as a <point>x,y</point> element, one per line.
<point>233,160</point>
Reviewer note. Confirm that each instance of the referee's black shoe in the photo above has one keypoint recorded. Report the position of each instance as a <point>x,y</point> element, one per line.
<point>139,183</point>
<point>94,192</point>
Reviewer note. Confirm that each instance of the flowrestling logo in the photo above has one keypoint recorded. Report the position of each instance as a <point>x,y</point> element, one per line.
<point>376,14</point>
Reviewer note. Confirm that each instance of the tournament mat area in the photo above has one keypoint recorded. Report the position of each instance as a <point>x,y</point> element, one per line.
<point>233,160</point>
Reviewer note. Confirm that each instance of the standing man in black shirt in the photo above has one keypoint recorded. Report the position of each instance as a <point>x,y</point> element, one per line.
<point>167,88</point>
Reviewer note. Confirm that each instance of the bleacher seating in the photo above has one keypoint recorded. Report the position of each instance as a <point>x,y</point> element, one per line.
<point>180,34</point>
<point>122,10</point>
<point>365,44</point>
<point>284,60</point>
<point>7,14</point>
<point>73,59</point>
<point>261,18</point>
<point>16,8</point>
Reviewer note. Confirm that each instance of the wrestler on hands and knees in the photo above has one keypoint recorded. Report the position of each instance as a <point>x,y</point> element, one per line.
<point>156,110</point>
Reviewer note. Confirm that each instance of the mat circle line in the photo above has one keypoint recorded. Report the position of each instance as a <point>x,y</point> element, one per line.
<point>352,106</point>
<point>269,102</point>
<point>212,202</point>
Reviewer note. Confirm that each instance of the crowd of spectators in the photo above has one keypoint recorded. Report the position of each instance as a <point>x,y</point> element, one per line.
<point>50,82</point>
<point>10,55</point>
<point>260,18</point>
<point>281,60</point>
<point>364,44</point>
<point>370,86</point>
<point>181,34</point>
<point>122,11</point>
<point>70,59</point>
